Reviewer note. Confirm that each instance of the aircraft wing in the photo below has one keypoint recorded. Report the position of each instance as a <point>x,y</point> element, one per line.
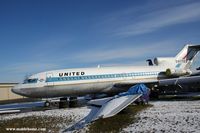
<point>112,105</point>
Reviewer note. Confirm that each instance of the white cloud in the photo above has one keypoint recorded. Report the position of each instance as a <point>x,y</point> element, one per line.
<point>127,52</point>
<point>130,23</point>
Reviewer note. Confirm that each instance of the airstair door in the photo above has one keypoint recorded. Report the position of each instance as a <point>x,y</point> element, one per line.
<point>49,79</point>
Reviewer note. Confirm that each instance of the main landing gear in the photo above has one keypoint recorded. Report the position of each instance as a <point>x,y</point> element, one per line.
<point>62,102</point>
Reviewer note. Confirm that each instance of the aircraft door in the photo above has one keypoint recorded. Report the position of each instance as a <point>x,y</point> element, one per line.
<point>49,80</point>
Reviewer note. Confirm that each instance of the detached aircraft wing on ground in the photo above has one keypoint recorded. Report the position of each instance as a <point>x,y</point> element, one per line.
<point>110,106</point>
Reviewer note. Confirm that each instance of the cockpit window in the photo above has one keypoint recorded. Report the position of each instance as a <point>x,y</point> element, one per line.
<point>29,81</point>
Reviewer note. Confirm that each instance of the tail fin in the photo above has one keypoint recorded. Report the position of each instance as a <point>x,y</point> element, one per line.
<point>186,56</point>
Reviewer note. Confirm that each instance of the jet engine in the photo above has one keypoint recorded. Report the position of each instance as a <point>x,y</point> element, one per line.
<point>164,61</point>
<point>176,72</point>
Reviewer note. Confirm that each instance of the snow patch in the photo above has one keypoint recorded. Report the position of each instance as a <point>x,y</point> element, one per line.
<point>168,116</point>
<point>72,113</point>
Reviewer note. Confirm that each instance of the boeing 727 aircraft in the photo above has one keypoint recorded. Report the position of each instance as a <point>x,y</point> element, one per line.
<point>107,80</point>
<point>100,80</point>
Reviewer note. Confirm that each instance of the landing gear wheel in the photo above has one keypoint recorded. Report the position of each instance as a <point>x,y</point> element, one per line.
<point>47,104</point>
<point>73,101</point>
<point>63,103</point>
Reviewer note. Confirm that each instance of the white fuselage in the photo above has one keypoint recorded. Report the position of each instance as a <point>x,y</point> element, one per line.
<point>83,81</point>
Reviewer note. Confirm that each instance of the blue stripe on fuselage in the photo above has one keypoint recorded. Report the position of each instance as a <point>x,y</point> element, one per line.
<point>104,76</point>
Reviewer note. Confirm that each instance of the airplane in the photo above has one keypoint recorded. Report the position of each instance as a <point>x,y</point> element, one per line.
<point>109,80</point>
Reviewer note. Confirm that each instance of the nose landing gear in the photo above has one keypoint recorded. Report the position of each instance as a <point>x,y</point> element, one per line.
<point>47,104</point>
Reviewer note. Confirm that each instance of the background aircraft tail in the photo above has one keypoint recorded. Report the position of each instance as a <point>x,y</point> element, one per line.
<point>186,56</point>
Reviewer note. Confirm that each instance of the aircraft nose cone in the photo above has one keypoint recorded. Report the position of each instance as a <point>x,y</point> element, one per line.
<point>16,90</point>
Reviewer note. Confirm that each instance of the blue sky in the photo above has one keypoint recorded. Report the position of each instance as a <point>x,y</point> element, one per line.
<point>40,35</point>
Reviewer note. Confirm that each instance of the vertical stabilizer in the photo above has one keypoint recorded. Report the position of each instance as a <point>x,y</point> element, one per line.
<point>182,54</point>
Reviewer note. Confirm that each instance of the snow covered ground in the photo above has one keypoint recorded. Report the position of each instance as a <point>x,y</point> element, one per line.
<point>75,114</point>
<point>168,116</point>
<point>163,116</point>
<point>55,120</point>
